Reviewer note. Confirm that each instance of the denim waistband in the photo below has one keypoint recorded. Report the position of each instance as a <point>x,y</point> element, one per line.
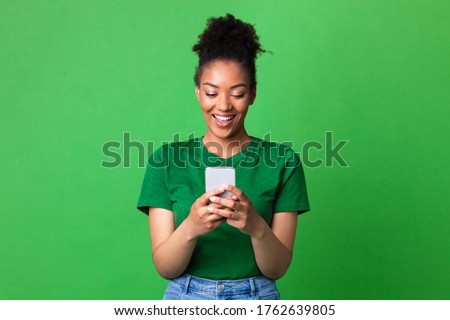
<point>223,287</point>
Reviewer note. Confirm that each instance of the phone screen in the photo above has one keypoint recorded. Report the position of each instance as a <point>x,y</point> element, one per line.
<point>216,176</point>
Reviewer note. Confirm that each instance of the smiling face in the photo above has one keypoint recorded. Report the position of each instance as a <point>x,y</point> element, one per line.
<point>225,95</point>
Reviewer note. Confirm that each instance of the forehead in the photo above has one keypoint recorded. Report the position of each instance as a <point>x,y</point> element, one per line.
<point>224,73</point>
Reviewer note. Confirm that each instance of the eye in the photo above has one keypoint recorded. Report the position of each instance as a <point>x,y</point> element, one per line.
<point>211,94</point>
<point>238,96</point>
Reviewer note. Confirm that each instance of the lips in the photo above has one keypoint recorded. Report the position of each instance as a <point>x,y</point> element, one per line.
<point>223,120</point>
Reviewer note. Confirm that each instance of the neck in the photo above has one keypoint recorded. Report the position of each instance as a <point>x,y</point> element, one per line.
<point>228,147</point>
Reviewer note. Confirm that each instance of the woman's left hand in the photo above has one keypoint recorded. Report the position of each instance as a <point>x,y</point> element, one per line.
<point>239,212</point>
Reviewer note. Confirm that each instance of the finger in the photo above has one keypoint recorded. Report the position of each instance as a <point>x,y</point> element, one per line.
<point>215,205</point>
<point>204,198</point>
<point>227,214</point>
<point>233,197</point>
<point>229,203</point>
<point>218,206</point>
<point>214,216</point>
<point>235,190</point>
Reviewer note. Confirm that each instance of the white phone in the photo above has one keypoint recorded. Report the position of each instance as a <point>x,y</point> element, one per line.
<point>216,176</point>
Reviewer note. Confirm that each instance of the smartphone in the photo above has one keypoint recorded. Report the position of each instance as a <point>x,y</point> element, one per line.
<point>216,176</point>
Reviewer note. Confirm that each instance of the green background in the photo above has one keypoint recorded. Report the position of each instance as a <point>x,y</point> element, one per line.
<point>77,74</point>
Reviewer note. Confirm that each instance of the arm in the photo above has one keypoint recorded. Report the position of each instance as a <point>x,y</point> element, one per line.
<point>272,246</point>
<point>172,247</point>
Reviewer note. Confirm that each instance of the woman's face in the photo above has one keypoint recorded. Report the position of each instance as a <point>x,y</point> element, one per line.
<point>224,95</point>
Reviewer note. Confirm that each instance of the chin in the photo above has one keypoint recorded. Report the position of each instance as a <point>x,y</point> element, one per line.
<point>223,135</point>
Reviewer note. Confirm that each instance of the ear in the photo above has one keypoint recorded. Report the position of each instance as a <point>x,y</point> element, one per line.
<point>197,92</point>
<point>253,96</point>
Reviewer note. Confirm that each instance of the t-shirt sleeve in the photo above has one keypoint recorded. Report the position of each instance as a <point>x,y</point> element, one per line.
<point>154,191</point>
<point>291,192</point>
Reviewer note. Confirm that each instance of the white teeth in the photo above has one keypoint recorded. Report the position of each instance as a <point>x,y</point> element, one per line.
<point>223,118</point>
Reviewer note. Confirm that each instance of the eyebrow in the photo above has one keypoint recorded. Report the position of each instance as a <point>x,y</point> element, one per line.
<point>232,87</point>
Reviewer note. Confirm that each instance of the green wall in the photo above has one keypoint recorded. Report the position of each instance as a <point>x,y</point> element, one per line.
<point>77,74</point>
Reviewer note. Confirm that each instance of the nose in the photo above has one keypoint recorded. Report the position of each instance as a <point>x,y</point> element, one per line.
<point>224,104</point>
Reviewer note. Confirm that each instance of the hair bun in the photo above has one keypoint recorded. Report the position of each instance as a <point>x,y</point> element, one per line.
<point>224,34</point>
<point>228,38</point>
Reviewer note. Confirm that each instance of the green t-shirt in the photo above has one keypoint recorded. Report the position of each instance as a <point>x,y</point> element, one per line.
<point>270,174</point>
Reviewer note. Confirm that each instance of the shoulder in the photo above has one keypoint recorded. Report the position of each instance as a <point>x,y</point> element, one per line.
<point>167,152</point>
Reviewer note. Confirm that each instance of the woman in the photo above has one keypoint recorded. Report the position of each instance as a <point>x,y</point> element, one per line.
<point>208,246</point>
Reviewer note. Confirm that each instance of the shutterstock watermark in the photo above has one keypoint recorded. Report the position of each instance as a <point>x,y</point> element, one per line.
<point>313,154</point>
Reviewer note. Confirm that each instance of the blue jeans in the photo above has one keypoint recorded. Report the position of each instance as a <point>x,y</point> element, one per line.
<point>187,287</point>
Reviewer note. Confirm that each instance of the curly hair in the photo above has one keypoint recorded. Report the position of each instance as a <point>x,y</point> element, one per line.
<point>228,39</point>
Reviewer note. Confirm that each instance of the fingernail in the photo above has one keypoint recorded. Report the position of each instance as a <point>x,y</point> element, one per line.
<point>221,189</point>
<point>234,197</point>
<point>212,199</point>
<point>210,209</point>
<point>225,186</point>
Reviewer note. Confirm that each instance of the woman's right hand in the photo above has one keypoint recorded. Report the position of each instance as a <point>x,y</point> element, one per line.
<point>172,247</point>
<point>200,221</point>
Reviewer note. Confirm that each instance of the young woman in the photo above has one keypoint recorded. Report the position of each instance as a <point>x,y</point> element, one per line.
<point>208,246</point>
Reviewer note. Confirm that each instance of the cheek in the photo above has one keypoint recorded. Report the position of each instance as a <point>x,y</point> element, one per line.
<point>205,105</point>
<point>242,108</point>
